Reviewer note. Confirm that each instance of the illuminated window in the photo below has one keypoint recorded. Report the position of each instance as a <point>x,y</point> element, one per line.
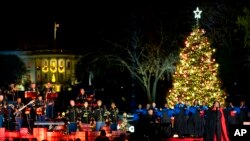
<point>68,65</point>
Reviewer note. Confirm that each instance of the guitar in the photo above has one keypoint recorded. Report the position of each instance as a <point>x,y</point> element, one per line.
<point>20,109</point>
<point>40,110</point>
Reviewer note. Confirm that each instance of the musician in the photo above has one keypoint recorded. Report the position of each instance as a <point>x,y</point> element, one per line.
<point>114,111</point>
<point>99,115</point>
<point>12,92</point>
<point>81,97</point>
<point>33,88</point>
<point>72,116</point>
<point>86,113</point>
<point>3,109</point>
<point>48,88</point>
<point>18,114</point>
<point>40,108</point>
<point>49,102</point>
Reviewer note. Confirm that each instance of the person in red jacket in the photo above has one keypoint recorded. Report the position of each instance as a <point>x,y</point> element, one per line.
<point>216,129</point>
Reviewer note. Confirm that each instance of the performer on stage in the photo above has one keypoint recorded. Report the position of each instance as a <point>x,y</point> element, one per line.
<point>72,116</point>
<point>99,115</point>
<point>40,108</point>
<point>3,109</point>
<point>151,125</point>
<point>33,88</point>
<point>81,97</point>
<point>86,113</point>
<point>243,115</point>
<point>203,115</point>
<point>85,116</point>
<point>49,102</point>
<point>141,112</point>
<point>216,129</point>
<point>18,114</point>
<point>180,122</point>
<point>114,111</point>
<point>196,121</point>
<point>232,113</point>
<point>12,92</point>
<point>166,117</point>
<point>156,110</point>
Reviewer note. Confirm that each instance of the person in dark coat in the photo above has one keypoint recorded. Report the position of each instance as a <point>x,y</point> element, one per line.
<point>243,115</point>
<point>179,122</point>
<point>166,125</point>
<point>196,120</point>
<point>151,126</point>
<point>72,116</point>
<point>216,129</point>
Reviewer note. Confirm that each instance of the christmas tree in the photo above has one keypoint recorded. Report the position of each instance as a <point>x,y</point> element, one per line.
<point>196,75</point>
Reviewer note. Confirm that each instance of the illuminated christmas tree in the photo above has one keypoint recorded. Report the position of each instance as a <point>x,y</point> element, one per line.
<point>196,75</point>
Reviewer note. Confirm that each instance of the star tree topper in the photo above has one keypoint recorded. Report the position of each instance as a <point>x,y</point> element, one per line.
<point>197,14</point>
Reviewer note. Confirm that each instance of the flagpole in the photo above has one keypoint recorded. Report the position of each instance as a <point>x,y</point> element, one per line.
<point>56,25</point>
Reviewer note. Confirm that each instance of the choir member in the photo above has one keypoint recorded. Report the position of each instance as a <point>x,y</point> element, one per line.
<point>179,123</point>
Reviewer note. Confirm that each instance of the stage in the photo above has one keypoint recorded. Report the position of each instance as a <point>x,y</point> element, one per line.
<point>42,134</point>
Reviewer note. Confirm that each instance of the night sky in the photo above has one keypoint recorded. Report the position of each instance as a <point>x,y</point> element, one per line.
<point>82,25</point>
<point>30,25</point>
<point>85,25</point>
<point>24,25</point>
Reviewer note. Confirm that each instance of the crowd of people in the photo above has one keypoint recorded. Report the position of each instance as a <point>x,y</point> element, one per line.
<point>190,120</point>
<point>150,122</point>
<point>39,106</point>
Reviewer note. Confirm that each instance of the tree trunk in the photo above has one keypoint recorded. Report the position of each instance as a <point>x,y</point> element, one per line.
<point>154,89</point>
<point>149,96</point>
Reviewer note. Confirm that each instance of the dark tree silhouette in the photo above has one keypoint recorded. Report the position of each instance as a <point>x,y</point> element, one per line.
<point>12,69</point>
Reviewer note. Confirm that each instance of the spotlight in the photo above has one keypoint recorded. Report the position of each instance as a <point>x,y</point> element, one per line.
<point>131,129</point>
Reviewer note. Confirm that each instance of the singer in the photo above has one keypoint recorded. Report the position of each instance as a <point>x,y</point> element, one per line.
<point>216,129</point>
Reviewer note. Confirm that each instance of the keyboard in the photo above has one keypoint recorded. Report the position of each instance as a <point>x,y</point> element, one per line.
<point>48,123</point>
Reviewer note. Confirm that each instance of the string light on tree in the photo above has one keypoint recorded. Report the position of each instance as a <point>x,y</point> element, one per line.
<point>197,72</point>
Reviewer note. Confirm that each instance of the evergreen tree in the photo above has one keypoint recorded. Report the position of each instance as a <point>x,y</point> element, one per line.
<point>196,75</point>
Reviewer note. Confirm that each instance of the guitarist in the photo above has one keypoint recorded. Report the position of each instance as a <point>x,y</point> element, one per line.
<point>18,114</point>
<point>40,108</point>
